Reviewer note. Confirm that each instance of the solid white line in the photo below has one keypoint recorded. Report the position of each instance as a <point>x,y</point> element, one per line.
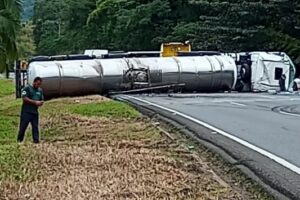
<point>290,114</point>
<point>268,97</point>
<point>277,159</point>
<point>238,104</point>
<point>249,101</point>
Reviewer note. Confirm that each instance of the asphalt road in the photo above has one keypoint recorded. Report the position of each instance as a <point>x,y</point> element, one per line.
<point>267,124</point>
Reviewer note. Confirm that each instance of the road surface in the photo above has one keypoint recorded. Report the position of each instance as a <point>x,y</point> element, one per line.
<point>266,125</point>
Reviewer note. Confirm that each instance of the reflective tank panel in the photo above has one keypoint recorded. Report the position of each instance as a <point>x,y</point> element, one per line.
<point>98,76</point>
<point>67,78</point>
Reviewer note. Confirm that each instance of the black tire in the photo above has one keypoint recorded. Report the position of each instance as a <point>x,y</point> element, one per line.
<point>295,87</point>
<point>239,86</point>
<point>245,73</point>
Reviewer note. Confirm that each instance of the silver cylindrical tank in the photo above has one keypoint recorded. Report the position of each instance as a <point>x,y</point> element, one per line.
<point>207,73</point>
<point>113,70</point>
<point>67,78</point>
<point>80,77</point>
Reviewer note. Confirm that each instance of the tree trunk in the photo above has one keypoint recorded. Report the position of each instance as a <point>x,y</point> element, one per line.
<point>6,71</point>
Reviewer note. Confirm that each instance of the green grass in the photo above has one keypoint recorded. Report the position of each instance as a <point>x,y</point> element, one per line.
<point>11,159</point>
<point>6,87</point>
<point>8,104</point>
<point>8,128</point>
<point>109,109</point>
<point>11,162</point>
<point>12,156</point>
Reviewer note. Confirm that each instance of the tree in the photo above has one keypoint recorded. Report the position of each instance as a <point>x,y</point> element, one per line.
<point>25,43</point>
<point>129,24</point>
<point>70,26</point>
<point>60,26</point>
<point>9,24</point>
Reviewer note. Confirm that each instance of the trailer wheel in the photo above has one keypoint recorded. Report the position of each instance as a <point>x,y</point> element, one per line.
<point>245,73</point>
<point>295,87</point>
<point>239,86</point>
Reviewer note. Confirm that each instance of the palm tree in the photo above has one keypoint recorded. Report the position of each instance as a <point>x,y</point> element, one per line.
<point>10,11</point>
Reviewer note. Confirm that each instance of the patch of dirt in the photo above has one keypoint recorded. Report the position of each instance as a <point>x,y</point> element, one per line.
<point>81,100</point>
<point>100,158</point>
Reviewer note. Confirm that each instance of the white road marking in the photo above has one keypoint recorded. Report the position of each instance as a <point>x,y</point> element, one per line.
<point>269,97</point>
<point>277,159</point>
<point>290,114</point>
<point>252,100</point>
<point>238,104</point>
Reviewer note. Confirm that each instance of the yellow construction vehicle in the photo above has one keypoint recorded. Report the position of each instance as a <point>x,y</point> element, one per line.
<point>24,65</point>
<point>172,49</point>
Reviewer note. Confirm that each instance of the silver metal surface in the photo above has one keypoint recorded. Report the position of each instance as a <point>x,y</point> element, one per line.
<point>67,78</point>
<point>80,77</point>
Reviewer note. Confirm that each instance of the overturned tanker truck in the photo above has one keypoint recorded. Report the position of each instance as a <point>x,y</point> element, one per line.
<point>255,71</point>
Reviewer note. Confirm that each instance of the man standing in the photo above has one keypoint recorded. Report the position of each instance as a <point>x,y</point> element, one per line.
<point>33,98</point>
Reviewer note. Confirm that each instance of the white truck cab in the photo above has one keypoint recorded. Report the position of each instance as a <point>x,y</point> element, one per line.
<point>262,71</point>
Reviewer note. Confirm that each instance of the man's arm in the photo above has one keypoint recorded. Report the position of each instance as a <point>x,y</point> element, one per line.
<point>30,101</point>
<point>26,99</point>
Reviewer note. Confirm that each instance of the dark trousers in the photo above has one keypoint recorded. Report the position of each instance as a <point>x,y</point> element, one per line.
<point>27,118</point>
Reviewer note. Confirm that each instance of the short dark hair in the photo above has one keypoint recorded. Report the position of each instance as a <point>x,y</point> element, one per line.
<point>37,79</point>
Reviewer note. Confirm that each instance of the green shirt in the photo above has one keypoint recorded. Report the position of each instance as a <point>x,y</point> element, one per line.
<point>33,94</point>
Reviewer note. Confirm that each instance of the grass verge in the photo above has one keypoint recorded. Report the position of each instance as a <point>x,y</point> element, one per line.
<point>94,148</point>
<point>6,87</point>
<point>10,153</point>
<point>109,109</point>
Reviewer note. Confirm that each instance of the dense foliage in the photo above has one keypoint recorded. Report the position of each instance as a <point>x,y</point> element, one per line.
<point>25,43</point>
<point>9,25</point>
<point>70,26</point>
